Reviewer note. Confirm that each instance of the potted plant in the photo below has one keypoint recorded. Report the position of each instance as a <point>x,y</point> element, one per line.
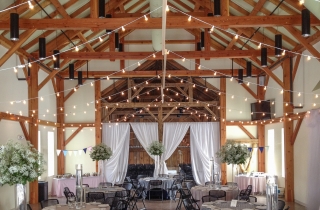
<point>100,153</point>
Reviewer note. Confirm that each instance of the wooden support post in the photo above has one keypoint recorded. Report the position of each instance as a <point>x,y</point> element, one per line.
<point>190,90</point>
<point>60,130</point>
<point>33,127</point>
<point>288,133</point>
<point>160,123</point>
<point>261,143</point>
<point>225,8</point>
<point>97,123</point>
<point>223,125</point>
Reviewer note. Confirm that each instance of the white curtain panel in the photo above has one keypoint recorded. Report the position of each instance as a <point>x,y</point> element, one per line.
<point>204,143</point>
<point>147,133</point>
<point>117,137</point>
<point>173,134</point>
<point>313,179</point>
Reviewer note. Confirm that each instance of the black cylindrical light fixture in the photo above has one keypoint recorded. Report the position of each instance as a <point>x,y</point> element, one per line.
<point>42,48</point>
<point>217,9</point>
<point>116,40</point>
<point>198,46</point>
<point>240,76</point>
<point>210,14</point>
<point>249,69</point>
<point>202,39</point>
<point>278,45</point>
<point>79,77</point>
<point>264,57</point>
<point>102,8</point>
<point>71,71</point>
<point>120,49</point>
<point>305,26</point>
<point>14,26</point>
<point>56,63</point>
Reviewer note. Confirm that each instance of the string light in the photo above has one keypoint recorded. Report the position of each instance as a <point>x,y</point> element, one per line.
<point>123,71</point>
<point>167,8</point>
<point>100,39</point>
<point>248,83</point>
<point>91,83</point>
<point>199,67</point>
<point>301,2</point>
<point>54,57</point>
<point>316,96</point>
<point>74,89</point>
<point>265,88</point>
<point>77,49</point>
<point>189,18</point>
<point>299,94</point>
<point>281,91</point>
<point>212,28</point>
<point>30,5</point>
<point>145,18</point>
<point>153,55</point>
<point>15,70</point>
<point>122,28</point>
<point>236,36</point>
<point>139,64</point>
<point>231,79</point>
<point>184,59</point>
<point>259,46</point>
<point>29,64</point>
<point>283,52</point>
<point>309,58</point>
<point>107,77</point>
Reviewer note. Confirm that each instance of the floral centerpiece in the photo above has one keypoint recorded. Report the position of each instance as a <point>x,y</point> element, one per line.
<point>100,152</point>
<point>156,148</point>
<point>20,163</point>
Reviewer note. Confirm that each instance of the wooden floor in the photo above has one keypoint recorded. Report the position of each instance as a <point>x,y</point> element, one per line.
<point>171,205</point>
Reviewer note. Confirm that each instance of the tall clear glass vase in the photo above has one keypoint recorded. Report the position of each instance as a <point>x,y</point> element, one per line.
<point>20,192</point>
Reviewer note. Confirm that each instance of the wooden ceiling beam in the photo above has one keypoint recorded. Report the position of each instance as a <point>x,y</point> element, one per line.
<point>156,23</point>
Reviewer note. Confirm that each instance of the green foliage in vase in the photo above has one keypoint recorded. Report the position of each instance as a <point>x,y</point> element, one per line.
<point>232,153</point>
<point>156,148</point>
<point>20,163</point>
<point>100,152</point>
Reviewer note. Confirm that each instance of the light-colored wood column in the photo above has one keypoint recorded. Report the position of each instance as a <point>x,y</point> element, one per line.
<point>33,127</point>
<point>288,132</point>
<point>60,130</point>
<point>261,143</point>
<point>97,105</point>
<point>223,125</point>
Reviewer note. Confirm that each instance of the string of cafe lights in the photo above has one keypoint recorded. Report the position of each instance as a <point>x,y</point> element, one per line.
<point>237,36</point>
<point>18,5</point>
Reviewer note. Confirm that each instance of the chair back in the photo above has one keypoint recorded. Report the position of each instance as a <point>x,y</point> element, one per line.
<point>155,184</point>
<point>29,207</point>
<point>191,184</point>
<point>127,186</point>
<point>188,205</point>
<point>124,194</point>
<point>67,189</point>
<point>49,202</point>
<point>281,204</point>
<point>208,198</point>
<point>218,193</point>
<point>96,196</point>
<point>105,184</point>
<point>249,187</point>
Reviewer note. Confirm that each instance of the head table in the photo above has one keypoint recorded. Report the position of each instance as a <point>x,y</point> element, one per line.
<point>58,185</point>
<point>199,191</point>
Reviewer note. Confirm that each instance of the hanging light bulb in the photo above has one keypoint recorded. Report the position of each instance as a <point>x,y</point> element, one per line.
<point>139,64</point>
<point>281,91</point>
<point>122,28</point>
<point>236,36</point>
<point>123,71</point>
<point>259,46</point>
<point>189,18</point>
<point>30,5</point>
<point>231,79</point>
<point>183,60</point>
<point>153,55</point>
<point>212,28</point>
<point>100,39</point>
<point>107,77</point>
<point>77,49</point>
<point>145,18</point>
<point>299,94</point>
<point>309,58</point>
<point>167,8</point>
<point>283,52</point>
<point>248,83</point>
<point>199,67</point>
<point>91,83</point>
<point>15,70</point>
<point>29,64</point>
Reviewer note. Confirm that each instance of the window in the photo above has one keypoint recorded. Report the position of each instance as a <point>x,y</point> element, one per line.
<point>51,155</point>
<point>271,163</point>
<point>282,153</point>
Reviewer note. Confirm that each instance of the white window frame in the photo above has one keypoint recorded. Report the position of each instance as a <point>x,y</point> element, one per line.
<point>51,153</point>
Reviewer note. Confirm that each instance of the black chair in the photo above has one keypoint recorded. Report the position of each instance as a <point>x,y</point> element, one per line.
<point>252,199</point>
<point>140,193</point>
<point>68,195</point>
<point>96,196</point>
<point>186,194</point>
<point>134,182</point>
<point>218,194</point>
<point>287,208</point>
<point>190,184</point>
<point>178,177</point>
<point>29,207</point>
<point>188,205</point>
<point>116,203</point>
<point>124,194</point>
<point>127,186</point>
<point>67,189</point>
<point>208,198</point>
<point>281,204</point>
<point>155,187</point>
<point>49,202</point>
<point>245,195</point>
<point>105,184</point>
<point>174,189</point>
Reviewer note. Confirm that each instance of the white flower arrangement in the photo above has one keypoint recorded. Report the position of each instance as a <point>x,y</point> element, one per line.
<point>232,153</point>
<point>20,163</point>
<point>156,148</point>
<point>100,152</point>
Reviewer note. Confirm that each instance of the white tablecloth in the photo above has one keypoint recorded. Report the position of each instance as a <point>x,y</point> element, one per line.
<point>199,191</point>
<point>222,205</point>
<point>166,182</point>
<point>58,185</point>
<point>258,183</point>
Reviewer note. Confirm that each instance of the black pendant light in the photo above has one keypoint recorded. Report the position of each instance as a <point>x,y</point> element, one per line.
<point>42,48</point>
<point>202,39</point>
<point>71,71</point>
<point>120,49</point>
<point>240,76</point>
<point>278,45</point>
<point>102,9</point>
<point>198,46</point>
<point>14,26</point>
<point>249,69</point>
<point>305,27</point>
<point>217,10</point>
<point>79,78</point>
<point>264,57</point>
<point>56,63</point>
<point>116,40</point>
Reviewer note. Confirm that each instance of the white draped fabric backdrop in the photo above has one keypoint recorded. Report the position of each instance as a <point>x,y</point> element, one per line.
<point>313,192</point>
<point>117,137</point>
<point>204,140</point>
<point>204,143</point>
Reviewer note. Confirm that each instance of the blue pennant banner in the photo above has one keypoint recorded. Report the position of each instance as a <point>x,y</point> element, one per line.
<point>250,149</point>
<point>65,152</point>
<point>85,150</point>
<point>261,149</point>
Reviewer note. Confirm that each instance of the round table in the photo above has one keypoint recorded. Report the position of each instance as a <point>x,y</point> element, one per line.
<point>199,191</point>
<point>166,182</point>
<point>226,205</point>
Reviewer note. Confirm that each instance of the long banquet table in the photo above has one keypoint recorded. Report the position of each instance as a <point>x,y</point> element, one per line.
<point>199,191</point>
<point>58,185</point>
<point>258,183</point>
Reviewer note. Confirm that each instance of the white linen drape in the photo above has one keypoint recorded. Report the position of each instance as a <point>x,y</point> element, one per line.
<point>204,143</point>
<point>117,137</point>
<point>173,134</point>
<point>147,133</point>
<point>313,179</point>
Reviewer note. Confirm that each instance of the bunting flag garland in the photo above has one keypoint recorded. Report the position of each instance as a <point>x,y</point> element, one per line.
<point>261,149</point>
<point>58,152</point>
<point>70,152</point>
<point>85,150</point>
<point>65,152</point>
<point>250,149</point>
<point>75,152</point>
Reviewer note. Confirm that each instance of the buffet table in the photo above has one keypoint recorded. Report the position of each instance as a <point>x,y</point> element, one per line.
<point>199,191</point>
<point>58,185</point>
<point>258,183</point>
